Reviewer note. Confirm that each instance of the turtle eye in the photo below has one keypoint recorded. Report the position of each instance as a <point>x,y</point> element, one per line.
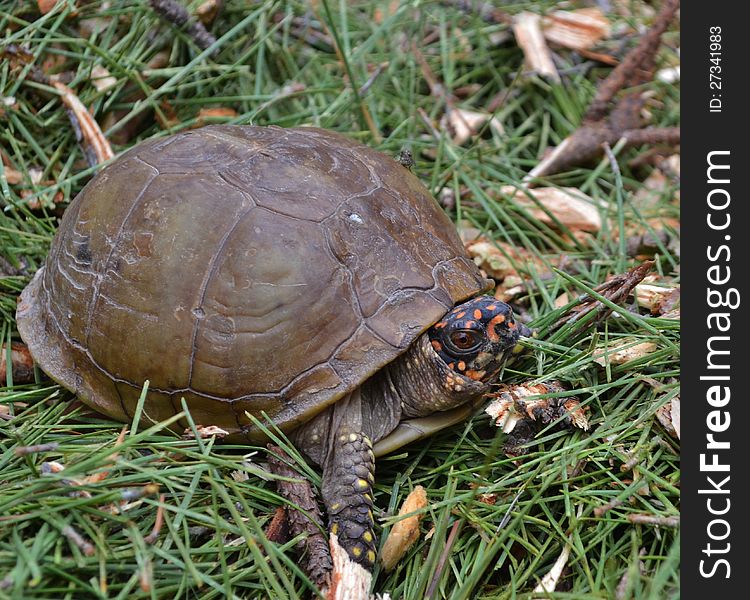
<point>465,339</point>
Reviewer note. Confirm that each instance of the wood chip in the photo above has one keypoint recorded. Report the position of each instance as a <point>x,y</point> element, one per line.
<point>206,116</point>
<point>570,206</point>
<point>205,431</point>
<point>623,352</point>
<point>527,27</point>
<point>349,580</point>
<point>463,124</point>
<point>101,79</point>
<point>668,75</point>
<point>95,145</point>
<point>513,405</point>
<point>675,413</point>
<point>651,296</point>
<point>576,29</point>
<point>405,532</point>
<point>550,580</point>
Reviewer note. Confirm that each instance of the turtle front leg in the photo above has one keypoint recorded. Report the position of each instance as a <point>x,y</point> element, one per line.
<point>348,477</point>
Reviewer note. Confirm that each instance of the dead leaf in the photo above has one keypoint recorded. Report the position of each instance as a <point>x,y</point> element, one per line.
<point>623,352</point>
<point>570,206</point>
<point>669,416</point>
<point>208,10</point>
<point>463,124</point>
<point>101,79</point>
<point>576,29</point>
<point>404,532</point>
<point>527,27</point>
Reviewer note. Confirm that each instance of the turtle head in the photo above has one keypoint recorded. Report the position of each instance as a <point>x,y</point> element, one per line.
<point>477,337</point>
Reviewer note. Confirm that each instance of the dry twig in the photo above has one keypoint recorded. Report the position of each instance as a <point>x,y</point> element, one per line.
<point>605,123</point>
<point>174,12</point>
<point>616,290</point>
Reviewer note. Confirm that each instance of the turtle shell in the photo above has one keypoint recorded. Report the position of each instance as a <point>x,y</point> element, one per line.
<point>244,269</point>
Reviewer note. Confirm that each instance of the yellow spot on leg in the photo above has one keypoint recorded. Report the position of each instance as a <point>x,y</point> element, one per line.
<point>371,556</point>
<point>357,551</point>
<point>335,529</point>
<point>363,484</point>
<point>353,437</point>
<point>367,536</point>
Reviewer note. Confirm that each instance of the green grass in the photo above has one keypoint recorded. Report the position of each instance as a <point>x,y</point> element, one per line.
<point>211,543</point>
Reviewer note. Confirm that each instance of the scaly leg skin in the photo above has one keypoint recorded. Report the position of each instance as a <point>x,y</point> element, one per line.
<point>348,477</point>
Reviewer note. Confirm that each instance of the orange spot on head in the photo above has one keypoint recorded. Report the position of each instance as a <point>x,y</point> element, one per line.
<point>492,307</point>
<point>461,365</point>
<point>477,314</point>
<point>491,333</point>
<point>451,365</point>
<point>461,314</point>
<point>441,324</point>
<point>475,375</point>
<point>511,324</point>
<point>437,345</point>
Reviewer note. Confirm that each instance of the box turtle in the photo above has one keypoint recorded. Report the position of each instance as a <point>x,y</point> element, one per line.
<point>292,272</point>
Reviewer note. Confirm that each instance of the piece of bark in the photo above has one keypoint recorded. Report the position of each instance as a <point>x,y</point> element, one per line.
<point>576,29</point>
<point>277,531</point>
<point>315,558</point>
<point>527,27</point>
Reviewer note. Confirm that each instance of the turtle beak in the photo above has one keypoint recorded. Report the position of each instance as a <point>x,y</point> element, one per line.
<point>523,332</point>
